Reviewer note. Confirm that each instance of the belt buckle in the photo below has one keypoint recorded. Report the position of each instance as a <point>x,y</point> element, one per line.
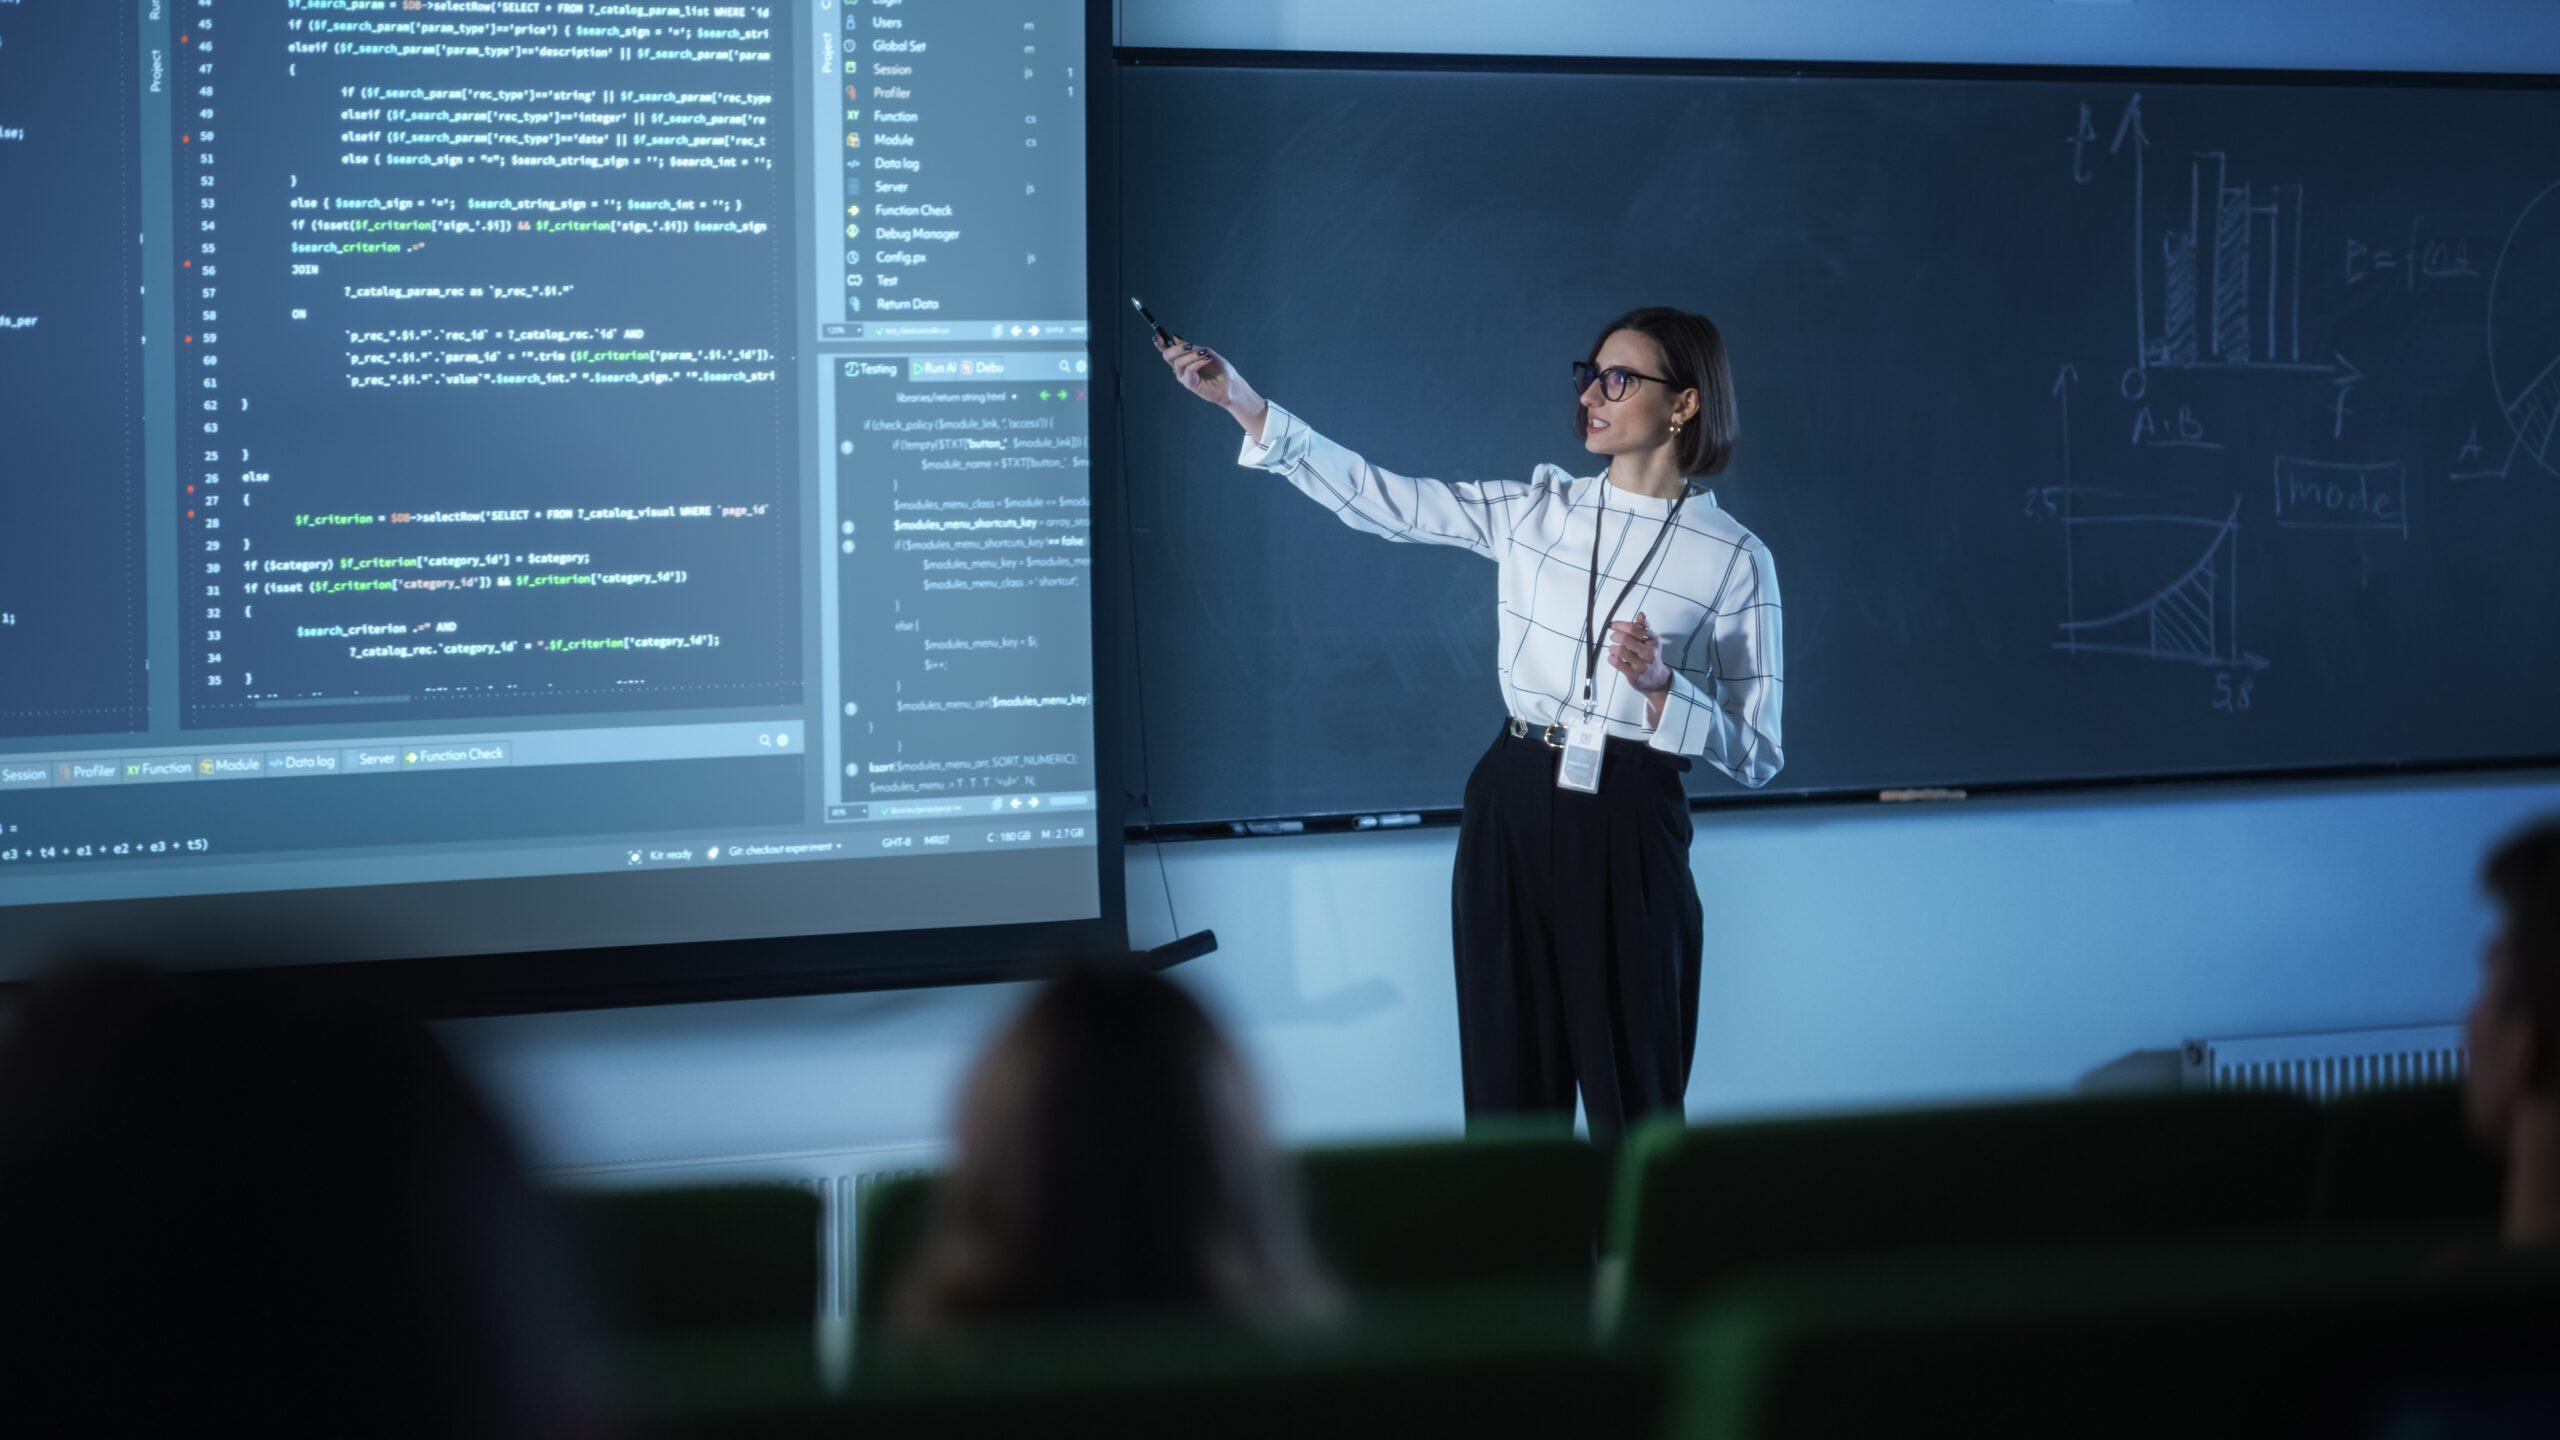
<point>1523,730</point>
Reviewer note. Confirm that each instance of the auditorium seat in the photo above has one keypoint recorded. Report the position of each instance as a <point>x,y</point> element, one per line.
<point>1395,1369</point>
<point>1488,1210</point>
<point>1698,1207</point>
<point>889,1231</point>
<point>2209,1342</point>
<point>1516,1211</point>
<point>704,1294</point>
<point>703,1258</point>
<point>2402,1159</point>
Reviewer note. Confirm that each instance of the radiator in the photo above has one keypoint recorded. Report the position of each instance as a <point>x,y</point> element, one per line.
<point>2329,1063</point>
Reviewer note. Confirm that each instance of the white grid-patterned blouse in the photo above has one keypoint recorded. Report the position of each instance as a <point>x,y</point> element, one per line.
<point>1710,592</point>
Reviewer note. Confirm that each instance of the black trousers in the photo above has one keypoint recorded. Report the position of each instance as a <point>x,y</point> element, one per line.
<point>1578,934</point>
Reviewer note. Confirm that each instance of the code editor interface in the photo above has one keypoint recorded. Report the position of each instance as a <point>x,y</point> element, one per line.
<point>460,439</point>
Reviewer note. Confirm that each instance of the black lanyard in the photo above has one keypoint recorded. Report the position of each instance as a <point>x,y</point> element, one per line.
<point>1591,597</point>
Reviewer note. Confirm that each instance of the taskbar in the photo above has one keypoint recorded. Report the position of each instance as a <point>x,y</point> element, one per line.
<point>142,867</point>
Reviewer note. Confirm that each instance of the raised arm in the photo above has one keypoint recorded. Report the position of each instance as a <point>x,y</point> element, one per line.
<point>1472,514</point>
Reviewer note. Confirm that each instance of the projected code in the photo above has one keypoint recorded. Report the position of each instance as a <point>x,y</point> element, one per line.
<point>474,524</point>
<point>966,484</point>
<point>71,562</point>
<point>484,361</point>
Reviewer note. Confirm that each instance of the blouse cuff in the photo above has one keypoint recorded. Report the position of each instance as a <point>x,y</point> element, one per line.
<point>1279,427</point>
<point>1678,731</point>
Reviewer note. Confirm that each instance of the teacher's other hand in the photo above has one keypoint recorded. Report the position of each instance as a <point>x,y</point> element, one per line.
<point>1636,652</point>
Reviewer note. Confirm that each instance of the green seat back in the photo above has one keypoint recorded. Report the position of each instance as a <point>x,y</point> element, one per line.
<point>1512,1211</point>
<point>2201,1343</point>
<point>1482,1211</point>
<point>889,1232</point>
<point>1396,1370</point>
<point>1698,1207</point>
<point>2404,1159</point>
<point>727,1257</point>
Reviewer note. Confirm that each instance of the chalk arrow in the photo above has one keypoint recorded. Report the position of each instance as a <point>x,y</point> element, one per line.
<point>2129,124</point>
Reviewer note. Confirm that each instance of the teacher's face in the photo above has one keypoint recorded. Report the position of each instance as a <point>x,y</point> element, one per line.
<point>1640,420</point>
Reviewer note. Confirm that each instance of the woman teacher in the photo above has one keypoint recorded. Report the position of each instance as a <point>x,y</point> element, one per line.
<point>1639,628</point>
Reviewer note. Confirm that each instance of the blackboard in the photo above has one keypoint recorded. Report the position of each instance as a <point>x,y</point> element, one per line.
<point>2101,427</point>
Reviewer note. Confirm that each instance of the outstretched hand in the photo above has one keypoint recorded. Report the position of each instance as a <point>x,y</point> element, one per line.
<point>1206,373</point>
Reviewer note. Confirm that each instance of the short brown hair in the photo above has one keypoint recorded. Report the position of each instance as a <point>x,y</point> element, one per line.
<point>1693,356</point>
<point>1112,1155</point>
<point>2524,874</point>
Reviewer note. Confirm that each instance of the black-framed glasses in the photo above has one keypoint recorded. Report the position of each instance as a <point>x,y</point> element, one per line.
<point>1615,380</point>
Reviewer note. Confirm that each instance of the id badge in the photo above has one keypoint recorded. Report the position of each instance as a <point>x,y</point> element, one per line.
<point>1584,746</point>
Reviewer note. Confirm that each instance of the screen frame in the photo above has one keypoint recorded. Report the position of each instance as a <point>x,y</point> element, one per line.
<point>217,935</point>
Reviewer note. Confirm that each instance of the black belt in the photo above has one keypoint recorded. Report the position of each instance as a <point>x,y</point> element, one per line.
<point>1552,736</point>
